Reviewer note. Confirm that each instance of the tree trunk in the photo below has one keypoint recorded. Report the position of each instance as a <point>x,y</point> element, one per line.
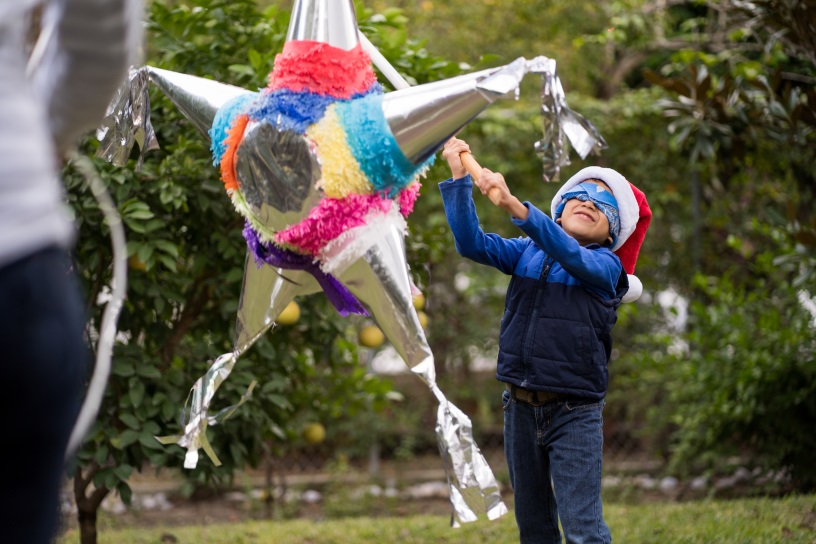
<point>87,526</point>
<point>88,506</point>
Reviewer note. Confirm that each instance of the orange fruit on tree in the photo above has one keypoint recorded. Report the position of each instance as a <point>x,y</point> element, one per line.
<point>371,336</point>
<point>423,319</point>
<point>289,315</point>
<point>314,433</point>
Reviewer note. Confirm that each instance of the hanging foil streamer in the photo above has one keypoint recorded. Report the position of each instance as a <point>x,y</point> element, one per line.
<point>561,124</point>
<point>473,488</point>
<point>195,417</point>
<point>127,121</point>
<point>381,281</point>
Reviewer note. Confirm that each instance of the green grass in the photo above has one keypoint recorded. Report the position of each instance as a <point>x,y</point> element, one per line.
<point>767,521</point>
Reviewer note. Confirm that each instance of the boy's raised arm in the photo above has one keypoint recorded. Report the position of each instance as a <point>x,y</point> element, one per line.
<point>490,183</point>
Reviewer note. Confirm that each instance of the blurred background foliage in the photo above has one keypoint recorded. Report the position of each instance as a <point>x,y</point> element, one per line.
<point>709,107</point>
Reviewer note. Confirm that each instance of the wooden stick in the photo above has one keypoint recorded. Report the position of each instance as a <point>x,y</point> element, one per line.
<point>475,170</point>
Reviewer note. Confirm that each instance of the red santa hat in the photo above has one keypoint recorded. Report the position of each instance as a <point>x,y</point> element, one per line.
<point>635,216</point>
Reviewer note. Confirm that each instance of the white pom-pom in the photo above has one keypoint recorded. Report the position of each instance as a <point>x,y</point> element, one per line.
<point>635,289</point>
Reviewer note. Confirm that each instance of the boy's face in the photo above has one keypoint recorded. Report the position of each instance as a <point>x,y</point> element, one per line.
<point>584,222</point>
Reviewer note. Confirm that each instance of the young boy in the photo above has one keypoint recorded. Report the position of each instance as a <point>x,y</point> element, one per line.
<point>555,335</point>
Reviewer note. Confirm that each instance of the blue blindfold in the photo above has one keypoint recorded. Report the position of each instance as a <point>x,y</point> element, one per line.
<point>601,198</point>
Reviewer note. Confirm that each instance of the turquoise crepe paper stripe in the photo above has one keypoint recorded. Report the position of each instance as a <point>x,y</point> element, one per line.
<point>224,118</point>
<point>373,145</point>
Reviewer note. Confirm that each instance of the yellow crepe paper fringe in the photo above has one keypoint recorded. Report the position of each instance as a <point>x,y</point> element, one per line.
<point>342,175</point>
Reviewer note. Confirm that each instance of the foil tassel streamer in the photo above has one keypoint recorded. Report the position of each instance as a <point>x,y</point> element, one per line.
<point>196,418</point>
<point>127,121</point>
<point>561,124</point>
<point>382,283</point>
<point>473,488</point>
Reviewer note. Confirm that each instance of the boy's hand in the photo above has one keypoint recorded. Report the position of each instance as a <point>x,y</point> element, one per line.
<point>493,180</point>
<point>486,180</point>
<point>489,181</point>
<point>453,148</point>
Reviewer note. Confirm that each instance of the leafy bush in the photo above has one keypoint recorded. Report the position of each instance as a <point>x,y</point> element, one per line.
<point>747,386</point>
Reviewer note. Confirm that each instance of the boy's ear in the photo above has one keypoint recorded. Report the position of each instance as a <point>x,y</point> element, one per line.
<point>558,221</point>
<point>609,240</point>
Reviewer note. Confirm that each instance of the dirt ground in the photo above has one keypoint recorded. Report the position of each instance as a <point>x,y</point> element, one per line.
<point>158,501</point>
<point>403,489</point>
<point>218,511</point>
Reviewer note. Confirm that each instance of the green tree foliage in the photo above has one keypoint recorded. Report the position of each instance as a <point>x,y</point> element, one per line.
<point>744,113</point>
<point>752,358</point>
<point>186,267</point>
<point>743,110</point>
<point>493,32</point>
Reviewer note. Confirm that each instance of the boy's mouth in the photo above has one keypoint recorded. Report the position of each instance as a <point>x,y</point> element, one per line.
<point>585,215</point>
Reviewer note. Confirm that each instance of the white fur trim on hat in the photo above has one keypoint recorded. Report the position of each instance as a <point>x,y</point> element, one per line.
<point>635,289</point>
<point>627,204</point>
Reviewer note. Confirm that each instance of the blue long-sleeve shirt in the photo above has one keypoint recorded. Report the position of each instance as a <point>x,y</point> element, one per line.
<point>561,300</point>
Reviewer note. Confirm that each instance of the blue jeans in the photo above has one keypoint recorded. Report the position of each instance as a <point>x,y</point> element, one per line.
<point>43,362</point>
<point>554,453</point>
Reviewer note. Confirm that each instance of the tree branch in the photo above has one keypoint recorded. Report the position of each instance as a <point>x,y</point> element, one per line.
<point>191,310</point>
